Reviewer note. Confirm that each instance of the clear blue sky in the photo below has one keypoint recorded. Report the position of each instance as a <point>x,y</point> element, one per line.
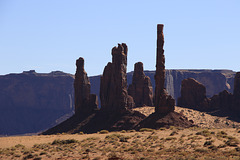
<point>49,35</point>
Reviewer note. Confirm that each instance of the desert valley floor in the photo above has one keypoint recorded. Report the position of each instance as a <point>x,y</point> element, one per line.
<point>215,138</point>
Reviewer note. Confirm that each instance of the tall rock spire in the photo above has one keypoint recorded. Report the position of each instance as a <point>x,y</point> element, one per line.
<point>164,103</point>
<point>85,102</point>
<point>113,88</point>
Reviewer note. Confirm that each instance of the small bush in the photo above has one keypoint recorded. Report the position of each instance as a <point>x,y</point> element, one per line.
<point>61,142</point>
<point>204,133</point>
<point>132,130</point>
<point>123,131</point>
<point>146,130</point>
<point>170,138</point>
<point>207,143</point>
<point>222,134</point>
<point>19,146</point>
<point>104,132</point>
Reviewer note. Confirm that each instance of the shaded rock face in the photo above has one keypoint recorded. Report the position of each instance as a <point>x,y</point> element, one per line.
<point>193,95</point>
<point>164,103</point>
<point>32,102</point>
<point>141,88</point>
<point>222,101</point>
<point>85,102</point>
<point>236,92</point>
<point>113,87</point>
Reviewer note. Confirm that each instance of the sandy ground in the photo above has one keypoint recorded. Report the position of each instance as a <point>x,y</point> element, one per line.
<point>201,119</point>
<point>215,138</point>
<point>172,143</point>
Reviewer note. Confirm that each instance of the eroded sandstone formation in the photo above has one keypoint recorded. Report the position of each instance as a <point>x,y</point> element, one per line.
<point>85,103</point>
<point>113,87</point>
<point>164,103</point>
<point>141,88</point>
<point>193,95</point>
<point>222,101</point>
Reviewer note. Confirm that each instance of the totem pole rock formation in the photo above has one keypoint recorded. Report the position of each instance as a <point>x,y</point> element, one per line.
<point>193,95</point>
<point>141,88</point>
<point>85,102</point>
<point>164,103</point>
<point>113,87</point>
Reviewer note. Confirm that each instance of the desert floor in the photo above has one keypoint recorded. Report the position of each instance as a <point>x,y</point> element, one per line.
<point>215,139</point>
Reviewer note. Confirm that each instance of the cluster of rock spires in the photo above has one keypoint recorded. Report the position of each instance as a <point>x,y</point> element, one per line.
<point>117,101</point>
<point>193,95</point>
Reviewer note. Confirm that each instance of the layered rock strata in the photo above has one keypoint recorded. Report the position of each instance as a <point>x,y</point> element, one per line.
<point>113,87</point>
<point>164,103</point>
<point>141,88</point>
<point>85,103</point>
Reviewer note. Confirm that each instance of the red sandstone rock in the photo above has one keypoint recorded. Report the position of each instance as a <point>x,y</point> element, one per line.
<point>222,101</point>
<point>113,88</point>
<point>193,95</point>
<point>236,93</point>
<point>164,103</point>
<point>141,88</point>
<point>85,102</point>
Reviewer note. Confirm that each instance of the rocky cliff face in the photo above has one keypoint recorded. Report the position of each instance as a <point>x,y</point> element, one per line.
<point>31,102</point>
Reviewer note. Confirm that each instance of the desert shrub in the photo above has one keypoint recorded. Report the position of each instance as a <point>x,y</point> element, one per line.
<point>207,143</point>
<point>29,156</point>
<point>172,127</point>
<point>212,147</point>
<point>61,142</point>
<point>123,131</point>
<point>233,142</point>
<point>173,133</point>
<point>204,133</point>
<point>116,137</point>
<point>152,137</point>
<point>43,153</point>
<point>162,129</point>
<point>19,146</point>
<point>222,146</point>
<point>132,130</point>
<point>201,150</point>
<point>146,130</point>
<point>170,138</point>
<point>222,134</point>
<point>103,131</point>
